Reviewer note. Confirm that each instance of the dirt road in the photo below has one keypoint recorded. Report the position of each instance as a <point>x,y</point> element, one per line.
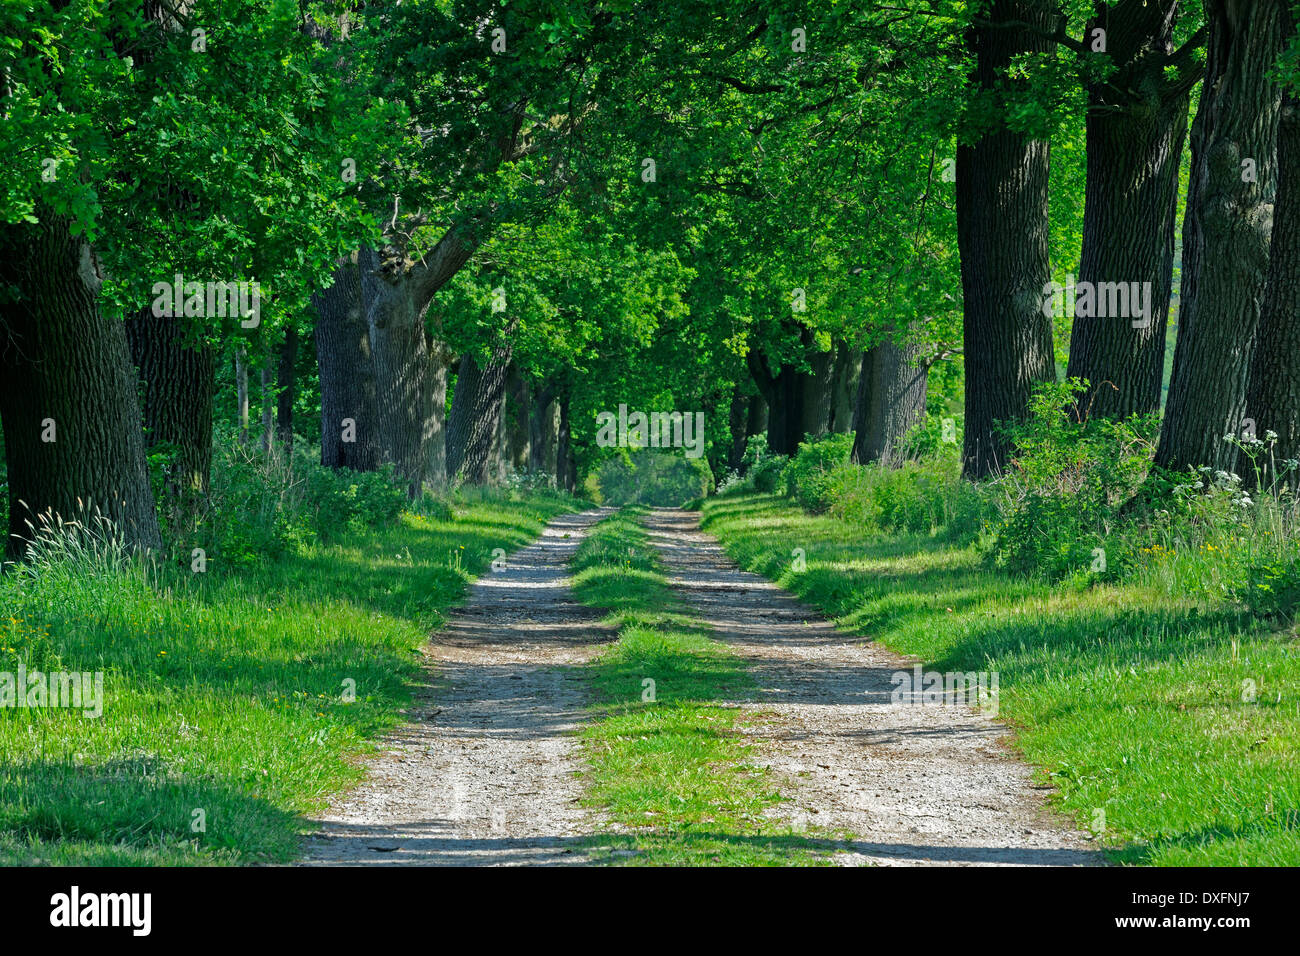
<point>483,772</point>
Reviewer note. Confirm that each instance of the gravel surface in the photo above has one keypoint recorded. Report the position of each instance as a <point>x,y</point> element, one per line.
<point>483,770</point>
<point>913,784</point>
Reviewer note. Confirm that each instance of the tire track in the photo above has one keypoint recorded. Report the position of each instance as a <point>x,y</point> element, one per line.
<point>483,772</point>
<point>912,784</point>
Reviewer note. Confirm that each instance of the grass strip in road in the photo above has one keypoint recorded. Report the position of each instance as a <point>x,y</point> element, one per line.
<point>669,763</point>
<point>1170,727</point>
<point>233,703</point>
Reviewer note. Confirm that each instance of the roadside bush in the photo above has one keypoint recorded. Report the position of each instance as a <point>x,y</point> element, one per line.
<point>342,499</point>
<point>1272,587</point>
<point>761,469</point>
<point>1203,534</point>
<point>807,476</point>
<point>766,475</point>
<point>659,479</point>
<point>733,482</point>
<point>262,506</point>
<point>925,496</point>
<point>1061,497</point>
<point>530,480</point>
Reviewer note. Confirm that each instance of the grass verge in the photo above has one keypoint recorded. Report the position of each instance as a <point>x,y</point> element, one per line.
<point>1168,724</point>
<point>232,704</point>
<point>669,764</point>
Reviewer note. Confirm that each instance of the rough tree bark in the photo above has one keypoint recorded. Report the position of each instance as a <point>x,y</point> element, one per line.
<point>476,413</point>
<point>1136,128</point>
<point>543,429</point>
<point>440,358</point>
<point>1273,394</point>
<point>784,395</point>
<point>178,380</point>
<point>1226,233</point>
<point>67,391</point>
<point>518,430</point>
<point>890,402</point>
<point>1003,238</point>
<point>844,388</point>
<point>347,380</point>
<point>401,362</point>
<point>566,470</point>
<point>818,387</point>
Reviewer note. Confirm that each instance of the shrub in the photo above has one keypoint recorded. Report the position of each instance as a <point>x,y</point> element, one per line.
<point>1068,480</point>
<point>261,506</point>
<point>530,480</point>
<point>1272,587</point>
<point>807,477</point>
<point>923,496</point>
<point>351,500</point>
<point>733,482</point>
<point>766,475</point>
<point>659,479</point>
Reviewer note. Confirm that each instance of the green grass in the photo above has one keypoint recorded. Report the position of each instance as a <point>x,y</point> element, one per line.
<point>674,773</point>
<point>225,693</point>
<point>1127,698</point>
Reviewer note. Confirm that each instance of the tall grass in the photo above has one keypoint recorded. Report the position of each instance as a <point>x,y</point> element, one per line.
<point>1143,624</point>
<point>236,699</point>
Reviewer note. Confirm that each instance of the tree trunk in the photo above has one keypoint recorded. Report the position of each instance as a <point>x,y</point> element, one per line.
<point>287,386</point>
<point>566,472</point>
<point>518,428</point>
<point>1003,238</point>
<point>543,430</point>
<point>1137,125</point>
<point>67,392</point>
<point>476,414</point>
<point>736,420</point>
<point>1226,233</point>
<point>756,423</point>
<point>403,398</point>
<point>347,380</point>
<point>435,429</point>
<point>241,392</point>
<point>890,403</point>
<point>818,388</point>
<point>844,390</point>
<point>268,403</point>
<point>178,383</point>
<point>1273,396</point>
<point>784,394</point>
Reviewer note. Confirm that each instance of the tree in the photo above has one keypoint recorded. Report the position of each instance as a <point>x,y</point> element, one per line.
<point>347,374</point>
<point>67,395</point>
<point>1226,233</point>
<point>1138,101</point>
<point>1273,395</point>
<point>890,402</point>
<point>186,146</point>
<point>1002,180</point>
